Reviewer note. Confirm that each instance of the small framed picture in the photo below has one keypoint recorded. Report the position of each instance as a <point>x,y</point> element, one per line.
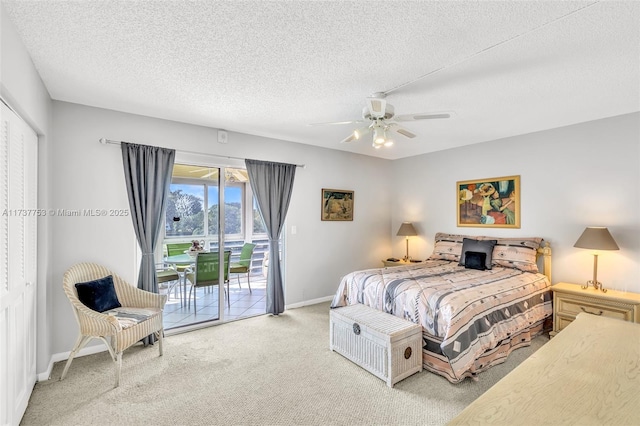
<point>337,204</point>
<point>489,203</point>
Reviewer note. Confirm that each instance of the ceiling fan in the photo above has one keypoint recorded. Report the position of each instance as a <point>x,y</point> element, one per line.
<point>377,117</point>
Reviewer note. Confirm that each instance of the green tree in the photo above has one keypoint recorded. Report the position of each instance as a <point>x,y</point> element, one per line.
<point>232,218</point>
<point>258,223</point>
<point>188,210</point>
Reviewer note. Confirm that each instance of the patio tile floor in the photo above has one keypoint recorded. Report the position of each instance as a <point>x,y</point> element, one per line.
<point>243,304</point>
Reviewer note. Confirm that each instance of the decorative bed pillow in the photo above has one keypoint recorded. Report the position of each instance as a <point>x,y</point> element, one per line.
<point>517,253</point>
<point>99,295</point>
<point>475,260</point>
<point>482,246</point>
<point>447,247</point>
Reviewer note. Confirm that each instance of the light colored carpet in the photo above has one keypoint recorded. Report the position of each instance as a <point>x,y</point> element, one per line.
<point>267,370</point>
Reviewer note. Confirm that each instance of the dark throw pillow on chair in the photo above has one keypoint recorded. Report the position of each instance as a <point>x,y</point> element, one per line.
<point>99,295</point>
<point>481,246</point>
<point>475,260</point>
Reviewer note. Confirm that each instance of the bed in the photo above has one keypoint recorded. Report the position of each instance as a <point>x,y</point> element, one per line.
<point>472,317</point>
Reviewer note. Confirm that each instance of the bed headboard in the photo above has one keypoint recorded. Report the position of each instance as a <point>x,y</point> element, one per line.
<point>449,247</point>
<point>543,257</point>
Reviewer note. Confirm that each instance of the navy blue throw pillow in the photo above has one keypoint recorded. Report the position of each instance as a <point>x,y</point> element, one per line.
<point>99,295</point>
<point>475,260</point>
<point>482,246</point>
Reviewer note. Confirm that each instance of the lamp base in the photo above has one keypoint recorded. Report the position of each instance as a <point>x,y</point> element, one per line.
<point>596,285</point>
<point>407,257</point>
<point>594,282</point>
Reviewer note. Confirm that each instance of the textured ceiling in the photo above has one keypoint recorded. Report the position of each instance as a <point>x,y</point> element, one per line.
<point>271,68</point>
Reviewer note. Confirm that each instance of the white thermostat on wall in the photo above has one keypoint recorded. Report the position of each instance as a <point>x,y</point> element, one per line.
<point>222,136</point>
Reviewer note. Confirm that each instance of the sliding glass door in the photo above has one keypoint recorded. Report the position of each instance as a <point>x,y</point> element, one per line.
<point>194,214</point>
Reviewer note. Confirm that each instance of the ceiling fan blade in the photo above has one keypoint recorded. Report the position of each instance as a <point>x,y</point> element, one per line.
<point>377,106</point>
<point>331,123</point>
<point>356,134</point>
<point>403,131</point>
<point>348,139</point>
<point>422,116</point>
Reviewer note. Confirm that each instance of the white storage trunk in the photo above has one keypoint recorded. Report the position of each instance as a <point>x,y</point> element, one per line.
<point>385,345</point>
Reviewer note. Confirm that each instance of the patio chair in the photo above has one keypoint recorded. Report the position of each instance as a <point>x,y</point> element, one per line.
<point>106,306</point>
<point>205,273</point>
<point>177,248</point>
<point>168,278</point>
<point>174,249</point>
<point>243,266</point>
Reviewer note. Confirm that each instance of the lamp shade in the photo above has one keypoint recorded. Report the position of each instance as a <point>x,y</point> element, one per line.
<point>406,230</point>
<point>596,238</point>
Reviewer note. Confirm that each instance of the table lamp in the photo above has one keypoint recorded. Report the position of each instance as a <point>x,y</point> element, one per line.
<point>407,230</point>
<point>596,238</point>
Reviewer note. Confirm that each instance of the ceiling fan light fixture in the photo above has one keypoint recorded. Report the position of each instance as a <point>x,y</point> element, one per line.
<point>379,136</point>
<point>381,121</point>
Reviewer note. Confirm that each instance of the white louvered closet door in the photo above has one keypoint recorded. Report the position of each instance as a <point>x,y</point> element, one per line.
<point>18,264</point>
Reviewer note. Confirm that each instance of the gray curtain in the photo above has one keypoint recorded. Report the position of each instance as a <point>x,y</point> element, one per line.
<point>147,172</point>
<point>272,184</point>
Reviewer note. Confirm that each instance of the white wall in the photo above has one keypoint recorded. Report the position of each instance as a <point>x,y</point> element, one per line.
<point>587,174</point>
<point>87,175</point>
<point>22,88</point>
<point>572,177</point>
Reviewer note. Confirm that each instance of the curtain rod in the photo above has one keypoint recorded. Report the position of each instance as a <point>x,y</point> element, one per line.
<point>105,141</point>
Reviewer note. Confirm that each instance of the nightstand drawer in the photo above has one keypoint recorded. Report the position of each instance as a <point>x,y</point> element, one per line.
<point>570,299</point>
<point>570,307</point>
<point>388,263</point>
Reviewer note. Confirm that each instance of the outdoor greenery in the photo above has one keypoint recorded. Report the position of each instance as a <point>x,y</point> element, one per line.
<point>258,223</point>
<point>190,211</point>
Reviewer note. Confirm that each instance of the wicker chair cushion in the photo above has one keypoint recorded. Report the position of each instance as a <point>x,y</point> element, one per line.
<point>128,317</point>
<point>99,295</point>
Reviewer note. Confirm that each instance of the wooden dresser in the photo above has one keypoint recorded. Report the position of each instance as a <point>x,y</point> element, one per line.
<point>586,375</point>
<point>570,299</point>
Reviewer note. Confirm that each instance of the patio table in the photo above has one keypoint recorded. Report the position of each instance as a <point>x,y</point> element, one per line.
<point>181,260</point>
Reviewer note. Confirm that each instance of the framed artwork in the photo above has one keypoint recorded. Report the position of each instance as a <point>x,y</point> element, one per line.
<point>489,203</point>
<point>337,204</point>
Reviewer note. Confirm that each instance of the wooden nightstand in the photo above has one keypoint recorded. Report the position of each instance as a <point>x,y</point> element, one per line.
<point>569,300</point>
<point>392,263</point>
<point>400,262</point>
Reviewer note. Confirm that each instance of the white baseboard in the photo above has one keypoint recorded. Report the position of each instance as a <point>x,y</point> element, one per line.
<point>42,377</point>
<point>63,356</point>
<point>309,302</point>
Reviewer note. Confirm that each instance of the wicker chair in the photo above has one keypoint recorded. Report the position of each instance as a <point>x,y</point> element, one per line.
<point>123,332</point>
